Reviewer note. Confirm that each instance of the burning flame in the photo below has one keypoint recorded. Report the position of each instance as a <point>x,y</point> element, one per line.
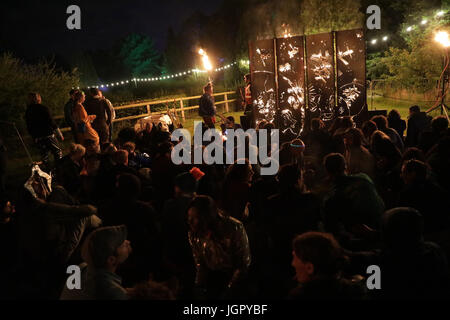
<point>206,63</point>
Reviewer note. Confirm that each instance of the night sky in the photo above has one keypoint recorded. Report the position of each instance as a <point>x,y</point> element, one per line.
<point>32,28</point>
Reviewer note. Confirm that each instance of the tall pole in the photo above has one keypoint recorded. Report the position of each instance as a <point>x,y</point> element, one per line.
<point>444,81</point>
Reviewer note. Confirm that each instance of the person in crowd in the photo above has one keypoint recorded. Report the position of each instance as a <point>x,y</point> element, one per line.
<point>177,251</point>
<point>337,130</point>
<point>292,152</point>
<point>236,188</point>
<point>82,121</point>
<point>357,157</point>
<point>439,129</point>
<point>220,249</point>
<point>318,260</point>
<point>417,122</point>
<point>152,290</point>
<point>411,267</point>
<point>68,112</point>
<point>147,140</point>
<point>388,167</point>
<point>51,226</point>
<point>106,181</point>
<point>247,102</point>
<point>413,153</point>
<point>104,250</point>
<point>382,125</point>
<point>164,172</point>
<point>113,114</point>
<point>291,211</point>
<point>422,194</point>
<point>43,129</point>
<point>318,141</point>
<point>97,105</point>
<point>207,109</point>
<point>439,161</point>
<point>69,168</point>
<point>230,124</point>
<point>368,128</point>
<point>396,122</point>
<point>141,221</point>
<point>107,159</point>
<point>136,159</point>
<point>351,205</point>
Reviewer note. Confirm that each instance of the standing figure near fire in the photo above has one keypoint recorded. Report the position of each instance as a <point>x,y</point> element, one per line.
<point>207,109</point>
<point>97,105</point>
<point>247,103</point>
<point>82,121</point>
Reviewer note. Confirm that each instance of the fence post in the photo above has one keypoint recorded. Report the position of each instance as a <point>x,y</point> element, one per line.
<point>226,103</point>
<point>149,110</point>
<point>182,110</point>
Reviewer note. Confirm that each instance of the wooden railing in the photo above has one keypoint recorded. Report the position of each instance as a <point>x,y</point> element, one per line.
<point>177,109</point>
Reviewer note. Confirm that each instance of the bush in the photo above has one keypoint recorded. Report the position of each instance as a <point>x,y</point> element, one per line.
<point>17,79</point>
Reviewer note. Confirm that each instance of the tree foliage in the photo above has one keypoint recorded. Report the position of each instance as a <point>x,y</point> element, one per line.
<point>17,79</point>
<point>140,56</point>
<point>420,62</point>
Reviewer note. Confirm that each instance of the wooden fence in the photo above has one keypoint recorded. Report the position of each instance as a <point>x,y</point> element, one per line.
<point>179,109</point>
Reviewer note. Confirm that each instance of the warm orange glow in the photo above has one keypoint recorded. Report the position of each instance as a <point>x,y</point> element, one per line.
<point>205,59</point>
<point>442,38</point>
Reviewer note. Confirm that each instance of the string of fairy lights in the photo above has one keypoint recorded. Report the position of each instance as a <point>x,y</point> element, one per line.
<point>166,77</point>
<point>410,28</point>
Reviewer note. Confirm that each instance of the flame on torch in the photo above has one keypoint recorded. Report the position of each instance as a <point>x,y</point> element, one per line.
<point>206,63</point>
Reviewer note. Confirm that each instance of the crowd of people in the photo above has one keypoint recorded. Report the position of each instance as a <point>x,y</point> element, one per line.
<point>140,227</point>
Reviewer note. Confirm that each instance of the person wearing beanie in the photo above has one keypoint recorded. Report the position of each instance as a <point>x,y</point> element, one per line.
<point>103,251</point>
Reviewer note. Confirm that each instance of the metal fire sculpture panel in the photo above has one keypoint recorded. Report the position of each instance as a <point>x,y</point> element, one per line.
<point>291,87</point>
<point>351,71</point>
<point>320,62</point>
<point>262,61</point>
<point>278,92</point>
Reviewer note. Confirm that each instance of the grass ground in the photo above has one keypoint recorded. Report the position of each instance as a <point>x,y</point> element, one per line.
<point>382,103</point>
